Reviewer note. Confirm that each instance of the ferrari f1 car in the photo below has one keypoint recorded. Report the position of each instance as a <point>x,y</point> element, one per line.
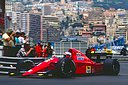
<point>74,62</point>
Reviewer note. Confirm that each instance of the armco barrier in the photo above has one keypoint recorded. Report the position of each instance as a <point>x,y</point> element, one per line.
<point>8,63</point>
<point>121,58</point>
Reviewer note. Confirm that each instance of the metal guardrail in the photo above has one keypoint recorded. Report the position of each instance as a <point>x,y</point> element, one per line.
<point>8,63</point>
<point>121,58</point>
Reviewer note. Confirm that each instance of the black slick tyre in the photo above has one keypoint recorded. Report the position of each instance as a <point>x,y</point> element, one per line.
<point>111,67</point>
<point>65,68</point>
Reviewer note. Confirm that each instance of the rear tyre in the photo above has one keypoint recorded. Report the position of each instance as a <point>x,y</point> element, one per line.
<point>65,68</point>
<point>111,67</point>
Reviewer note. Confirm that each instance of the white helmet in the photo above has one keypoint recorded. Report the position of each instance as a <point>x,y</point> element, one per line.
<point>67,54</point>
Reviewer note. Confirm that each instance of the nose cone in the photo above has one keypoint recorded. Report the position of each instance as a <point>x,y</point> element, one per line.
<point>41,66</point>
<point>27,73</point>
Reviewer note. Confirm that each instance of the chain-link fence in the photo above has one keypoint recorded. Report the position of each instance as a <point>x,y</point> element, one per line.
<point>61,47</point>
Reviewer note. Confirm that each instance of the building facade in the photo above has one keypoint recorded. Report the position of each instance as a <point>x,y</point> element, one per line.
<point>2,12</point>
<point>50,29</point>
<point>34,22</point>
<point>31,25</point>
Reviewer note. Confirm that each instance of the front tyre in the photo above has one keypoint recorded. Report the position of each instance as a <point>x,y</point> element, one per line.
<point>65,67</point>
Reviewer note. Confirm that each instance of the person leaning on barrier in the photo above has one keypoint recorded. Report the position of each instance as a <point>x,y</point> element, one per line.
<point>49,50</point>
<point>38,49</point>
<point>44,53</point>
<point>25,51</point>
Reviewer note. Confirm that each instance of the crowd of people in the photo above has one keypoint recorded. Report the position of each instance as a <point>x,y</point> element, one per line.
<point>36,51</point>
<point>21,41</point>
<point>43,51</point>
<point>13,39</point>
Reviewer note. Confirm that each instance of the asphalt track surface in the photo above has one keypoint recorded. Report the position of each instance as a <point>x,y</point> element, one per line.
<point>121,79</point>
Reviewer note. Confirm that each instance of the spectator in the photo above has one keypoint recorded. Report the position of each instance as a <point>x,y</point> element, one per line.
<point>8,38</point>
<point>26,38</point>
<point>49,50</point>
<point>44,52</point>
<point>38,49</point>
<point>25,51</point>
<point>22,38</point>
<point>16,39</point>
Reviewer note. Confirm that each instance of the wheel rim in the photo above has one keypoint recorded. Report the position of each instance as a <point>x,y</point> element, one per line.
<point>66,67</point>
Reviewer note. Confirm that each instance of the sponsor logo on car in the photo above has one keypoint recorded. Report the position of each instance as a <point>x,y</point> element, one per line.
<point>88,69</point>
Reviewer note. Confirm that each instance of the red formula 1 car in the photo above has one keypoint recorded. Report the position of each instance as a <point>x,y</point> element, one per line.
<point>74,62</point>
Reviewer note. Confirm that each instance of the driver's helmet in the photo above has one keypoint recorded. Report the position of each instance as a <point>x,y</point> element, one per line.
<point>67,54</point>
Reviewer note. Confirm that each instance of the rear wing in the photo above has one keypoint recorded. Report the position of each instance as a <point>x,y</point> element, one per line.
<point>99,57</point>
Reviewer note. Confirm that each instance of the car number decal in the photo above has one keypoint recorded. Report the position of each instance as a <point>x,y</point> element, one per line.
<point>88,69</point>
